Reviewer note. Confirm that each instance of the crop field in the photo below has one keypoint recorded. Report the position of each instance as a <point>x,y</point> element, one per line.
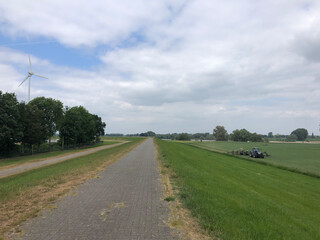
<point>304,157</point>
<point>237,199</point>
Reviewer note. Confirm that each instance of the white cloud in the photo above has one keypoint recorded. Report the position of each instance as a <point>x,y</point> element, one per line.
<point>77,23</point>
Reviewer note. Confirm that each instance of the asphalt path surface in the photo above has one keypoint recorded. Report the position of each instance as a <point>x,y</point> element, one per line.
<point>7,171</point>
<point>124,202</point>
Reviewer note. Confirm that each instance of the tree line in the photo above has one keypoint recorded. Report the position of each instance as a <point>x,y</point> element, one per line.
<point>186,136</point>
<point>31,124</point>
<point>243,135</point>
<point>221,134</point>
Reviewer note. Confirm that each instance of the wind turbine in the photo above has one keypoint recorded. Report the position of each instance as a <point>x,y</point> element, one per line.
<point>30,73</point>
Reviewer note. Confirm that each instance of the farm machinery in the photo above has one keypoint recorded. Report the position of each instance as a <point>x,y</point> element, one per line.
<point>254,153</point>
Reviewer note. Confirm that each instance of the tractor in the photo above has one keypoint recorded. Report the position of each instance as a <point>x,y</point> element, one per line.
<point>256,153</point>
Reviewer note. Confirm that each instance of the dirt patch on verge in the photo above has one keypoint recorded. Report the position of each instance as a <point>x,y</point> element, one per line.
<point>180,218</point>
<point>29,203</point>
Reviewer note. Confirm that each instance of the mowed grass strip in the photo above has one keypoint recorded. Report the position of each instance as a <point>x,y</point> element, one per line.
<point>22,195</point>
<point>5,162</point>
<point>236,199</point>
<point>302,157</point>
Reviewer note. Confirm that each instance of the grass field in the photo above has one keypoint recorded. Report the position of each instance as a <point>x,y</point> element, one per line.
<point>30,158</point>
<point>22,195</point>
<point>304,157</point>
<point>237,199</point>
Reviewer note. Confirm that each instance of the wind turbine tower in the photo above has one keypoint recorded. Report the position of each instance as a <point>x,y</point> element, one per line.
<point>30,73</point>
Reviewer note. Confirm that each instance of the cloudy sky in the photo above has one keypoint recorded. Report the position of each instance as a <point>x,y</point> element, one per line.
<point>170,66</point>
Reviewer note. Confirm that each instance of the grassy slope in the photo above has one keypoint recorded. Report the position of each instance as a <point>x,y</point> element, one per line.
<point>36,157</point>
<point>236,199</point>
<point>301,156</point>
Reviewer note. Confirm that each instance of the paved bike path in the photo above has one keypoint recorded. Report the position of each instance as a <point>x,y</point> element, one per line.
<point>41,163</point>
<point>125,202</point>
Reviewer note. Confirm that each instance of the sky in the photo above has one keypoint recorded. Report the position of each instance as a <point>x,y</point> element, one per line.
<point>169,66</point>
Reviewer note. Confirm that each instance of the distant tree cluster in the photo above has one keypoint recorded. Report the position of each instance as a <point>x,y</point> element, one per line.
<point>34,123</point>
<point>147,134</point>
<point>172,136</point>
<point>114,135</point>
<point>242,135</point>
<point>179,136</point>
<point>220,134</point>
<point>201,136</point>
<point>183,137</point>
<point>291,138</point>
<point>301,134</point>
<point>279,136</point>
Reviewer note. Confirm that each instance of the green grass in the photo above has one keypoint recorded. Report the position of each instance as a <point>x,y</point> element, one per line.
<point>35,157</point>
<point>237,199</point>
<point>303,157</point>
<point>11,187</point>
<point>170,198</point>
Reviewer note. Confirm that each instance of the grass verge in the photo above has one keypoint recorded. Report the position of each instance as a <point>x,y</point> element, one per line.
<point>23,195</point>
<point>235,199</point>
<point>180,218</point>
<point>10,162</point>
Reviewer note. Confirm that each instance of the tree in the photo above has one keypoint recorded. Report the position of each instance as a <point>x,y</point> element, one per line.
<point>52,114</point>
<point>220,133</point>
<point>99,126</point>
<point>301,134</point>
<point>183,137</point>
<point>147,134</point>
<point>256,137</point>
<point>242,135</point>
<point>292,138</point>
<point>151,134</point>
<point>197,136</point>
<point>77,127</point>
<point>32,127</point>
<point>10,127</point>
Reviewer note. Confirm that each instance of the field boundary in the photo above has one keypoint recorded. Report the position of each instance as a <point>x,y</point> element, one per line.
<point>256,161</point>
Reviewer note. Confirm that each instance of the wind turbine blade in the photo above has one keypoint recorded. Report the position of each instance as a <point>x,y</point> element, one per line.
<point>23,81</point>
<point>30,63</point>
<point>39,76</point>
